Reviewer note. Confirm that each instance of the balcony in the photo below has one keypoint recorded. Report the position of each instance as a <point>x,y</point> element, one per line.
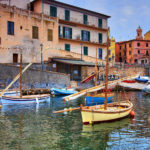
<point>77,39</point>
<point>76,23</point>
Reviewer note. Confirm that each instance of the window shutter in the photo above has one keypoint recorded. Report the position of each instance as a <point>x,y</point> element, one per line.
<point>100,23</point>
<point>59,31</point>
<point>85,50</point>
<point>50,35</point>
<point>63,32</point>
<point>53,11</point>
<point>67,15</point>
<point>82,32</point>
<point>100,53</point>
<point>85,19</point>
<point>70,33</point>
<point>10,28</point>
<point>67,47</point>
<point>34,32</point>
<point>88,36</point>
<point>100,37</point>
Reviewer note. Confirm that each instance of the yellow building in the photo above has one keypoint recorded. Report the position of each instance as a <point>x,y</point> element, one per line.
<point>112,51</point>
<point>147,35</point>
<point>26,31</point>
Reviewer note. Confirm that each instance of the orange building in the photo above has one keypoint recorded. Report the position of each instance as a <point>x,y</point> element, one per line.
<point>24,31</point>
<point>136,51</point>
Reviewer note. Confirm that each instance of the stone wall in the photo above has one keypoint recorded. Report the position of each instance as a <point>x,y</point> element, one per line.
<point>32,78</point>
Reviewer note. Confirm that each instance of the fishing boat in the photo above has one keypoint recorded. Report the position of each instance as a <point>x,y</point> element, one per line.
<point>21,99</point>
<point>91,100</point>
<point>63,91</point>
<point>143,79</point>
<point>107,112</point>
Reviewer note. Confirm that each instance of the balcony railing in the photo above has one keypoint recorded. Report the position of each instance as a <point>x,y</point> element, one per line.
<point>74,21</point>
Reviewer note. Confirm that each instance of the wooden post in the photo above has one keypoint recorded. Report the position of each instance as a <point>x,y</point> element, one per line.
<point>107,65</point>
<point>21,75</point>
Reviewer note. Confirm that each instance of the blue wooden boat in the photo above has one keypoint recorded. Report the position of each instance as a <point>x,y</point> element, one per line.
<point>143,79</point>
<point>98,99</point>
<point>25,99</point>
<point>63,91</point>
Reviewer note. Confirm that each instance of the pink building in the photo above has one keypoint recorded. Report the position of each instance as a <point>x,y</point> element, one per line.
<point>136,51</point>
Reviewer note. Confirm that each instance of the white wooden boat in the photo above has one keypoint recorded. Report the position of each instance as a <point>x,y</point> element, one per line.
<point>25,99</point>
<point>114,111</point>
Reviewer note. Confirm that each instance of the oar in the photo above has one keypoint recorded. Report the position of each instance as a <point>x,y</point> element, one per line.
<point>66,110</point>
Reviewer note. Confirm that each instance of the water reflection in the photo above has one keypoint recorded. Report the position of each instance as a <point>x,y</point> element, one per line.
<point>27,127</point>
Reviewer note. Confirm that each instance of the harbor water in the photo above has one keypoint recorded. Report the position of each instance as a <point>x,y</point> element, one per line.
<point>35,127</point>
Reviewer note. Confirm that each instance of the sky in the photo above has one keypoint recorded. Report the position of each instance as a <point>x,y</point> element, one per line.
<point>126,15</point>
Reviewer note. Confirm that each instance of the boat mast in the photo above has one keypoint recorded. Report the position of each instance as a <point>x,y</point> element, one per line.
<point>107,65</point>
<point>21,75</point>
<point>96,71</point>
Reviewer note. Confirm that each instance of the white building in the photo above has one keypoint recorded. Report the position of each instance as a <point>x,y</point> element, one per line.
<point>76,26</point>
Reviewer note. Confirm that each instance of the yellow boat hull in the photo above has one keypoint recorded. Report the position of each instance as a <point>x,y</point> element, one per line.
<point>97,114</point>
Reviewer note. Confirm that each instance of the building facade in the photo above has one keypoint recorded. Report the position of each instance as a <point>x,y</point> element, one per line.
<point>24,4</point>
<point>136,51</point>
<point>23,31</point>
<point>147,35</point>
<point>81,31</point>
<point>112,50</point>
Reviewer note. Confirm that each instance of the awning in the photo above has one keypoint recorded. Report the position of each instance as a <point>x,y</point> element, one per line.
<point>75,62</point>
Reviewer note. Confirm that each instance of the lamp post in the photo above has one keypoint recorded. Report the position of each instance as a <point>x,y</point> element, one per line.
<point>42,55</point>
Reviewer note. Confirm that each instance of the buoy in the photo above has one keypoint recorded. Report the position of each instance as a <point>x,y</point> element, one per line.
<point>132,114</point>
<point>0,106</point>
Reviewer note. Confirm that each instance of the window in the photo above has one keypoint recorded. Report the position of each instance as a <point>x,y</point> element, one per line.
<point>125,46</point>
<point>67,47</point>
<point>85,19</point>
<point>120,54</point>
<point>35,32</point>
<point>100,37</point>
<point>15,58</point>
<point>67,32</point>
<point>50,35</point>
<point>85,50</point>
<point>10,28</point>
<point>100,53</point>
<point>109,52</point>
<point>109,59</point>
<point>120,47</point>
<point>100,23</point>
<point>129,52</point>
<point>138,51</point>
<point>138,44</point>
<point>0,40</point>
<point>53,11</point>
<point>130,45</point>
<point>85,35</point>
<point>67,15</point>
<point>147,54</point>
<point>146,44</point>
